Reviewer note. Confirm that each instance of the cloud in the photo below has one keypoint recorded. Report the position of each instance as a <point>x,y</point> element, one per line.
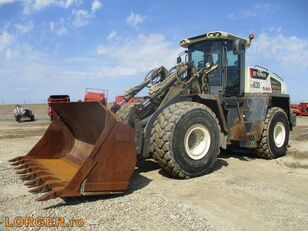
<point>31,6</point>
<point>130,57</point>
<point>111,35</point>
<point>6,39</point>
<point>287,51</point>
<point>22,89</point>
<point>81,18</point>
<point>23,52</point>
<point>96,5</point>
<point>69,3</point>
<point>58,27</point>
<point>9,54</point>
<point>24,28</point>
<point>24,63</point>
<point>134,19</point>
<point>23,67</point>
<point>101,72</point>
<point>259,10</point>
<point>285,55</point>
<point>139,54</point>
<point>2,2</point>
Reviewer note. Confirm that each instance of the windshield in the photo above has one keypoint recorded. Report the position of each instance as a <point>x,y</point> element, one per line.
<point>207,51</point>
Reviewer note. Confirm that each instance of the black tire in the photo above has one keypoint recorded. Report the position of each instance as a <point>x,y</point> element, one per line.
<point>17,118</point>
<point>124,114</point>
<point>267,148</point>
<point>32,118</point>
<point>127,117</point>
<point>169,135</point>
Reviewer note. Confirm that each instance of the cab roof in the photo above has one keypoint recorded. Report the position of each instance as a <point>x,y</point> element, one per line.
<point>215,35</point>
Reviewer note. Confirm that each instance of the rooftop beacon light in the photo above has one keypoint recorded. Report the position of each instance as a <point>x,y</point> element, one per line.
<point>251,37</point>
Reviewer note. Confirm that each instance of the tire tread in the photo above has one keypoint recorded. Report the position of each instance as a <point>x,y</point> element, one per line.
<point>162,129</point>
<point>263,149</point>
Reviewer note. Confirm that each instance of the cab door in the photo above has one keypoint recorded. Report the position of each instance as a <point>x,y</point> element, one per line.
<point>215,79</point>
<point>233,70</point>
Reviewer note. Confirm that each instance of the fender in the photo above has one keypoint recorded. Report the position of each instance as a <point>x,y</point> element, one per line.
<point>146,152</point>
<point>213,102</point>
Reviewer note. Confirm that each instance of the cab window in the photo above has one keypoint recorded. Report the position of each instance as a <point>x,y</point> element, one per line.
<point>207,51</point>
<point>233,71</point>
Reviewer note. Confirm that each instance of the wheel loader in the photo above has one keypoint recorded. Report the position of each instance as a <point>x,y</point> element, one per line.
<point>210,101</point>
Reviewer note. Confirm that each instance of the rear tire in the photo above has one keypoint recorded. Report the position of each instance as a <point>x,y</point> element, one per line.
<point>185,139</point>
<point>275,136</point>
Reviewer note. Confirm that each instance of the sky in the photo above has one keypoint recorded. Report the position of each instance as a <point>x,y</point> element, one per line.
<point>63,46</point>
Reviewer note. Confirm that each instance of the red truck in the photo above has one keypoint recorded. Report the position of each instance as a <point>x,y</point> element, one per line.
<point>96,95</point>
<point>56,99</point>
<point>301,109</point>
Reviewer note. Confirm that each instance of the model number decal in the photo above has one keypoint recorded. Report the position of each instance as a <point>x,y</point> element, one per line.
<point>255,85</point>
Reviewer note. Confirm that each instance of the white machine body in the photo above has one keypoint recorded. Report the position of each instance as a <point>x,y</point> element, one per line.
<point>260,80</point>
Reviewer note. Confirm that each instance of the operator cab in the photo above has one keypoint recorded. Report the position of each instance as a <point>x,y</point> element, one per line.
<point>222,49</point>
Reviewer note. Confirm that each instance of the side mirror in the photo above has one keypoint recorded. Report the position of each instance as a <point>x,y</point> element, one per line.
<point>178,60</point>
<point>236,47</point>
<point>208,65</point>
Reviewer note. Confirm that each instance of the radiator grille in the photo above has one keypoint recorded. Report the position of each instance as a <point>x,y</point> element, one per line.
<point>276,86</point>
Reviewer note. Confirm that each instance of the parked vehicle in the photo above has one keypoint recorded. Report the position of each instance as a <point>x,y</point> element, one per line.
<point>301,109</point>
<point>56,99</point>
<point>96,95</point>
<point>22,112</point>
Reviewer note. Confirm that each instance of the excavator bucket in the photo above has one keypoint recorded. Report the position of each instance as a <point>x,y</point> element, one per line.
<point>85,151</point>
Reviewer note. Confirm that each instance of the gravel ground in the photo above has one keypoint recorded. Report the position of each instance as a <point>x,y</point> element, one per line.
<point>140,208</point>
<point>242,193</point>
<point>144,209</point>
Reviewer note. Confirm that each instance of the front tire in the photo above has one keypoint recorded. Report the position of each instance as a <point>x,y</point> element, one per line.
<point>275,136</point>
<point>17,118</point>
<point>185,139</point>
<point>126,115</point>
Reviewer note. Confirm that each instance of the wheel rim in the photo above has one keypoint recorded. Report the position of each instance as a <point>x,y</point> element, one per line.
<point>197,141</point>
<point>279,134</point>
